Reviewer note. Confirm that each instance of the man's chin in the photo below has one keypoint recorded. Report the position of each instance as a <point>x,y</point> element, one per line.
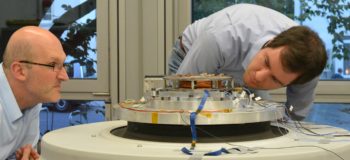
<point>53,99</point>
<point>258,88</point>
<point>248,83</point>
<point>254,87</point>
<point>251,86</point>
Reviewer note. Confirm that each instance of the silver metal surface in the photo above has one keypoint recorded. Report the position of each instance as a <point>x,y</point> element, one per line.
<point>166,104</point>
<point>214,112</point>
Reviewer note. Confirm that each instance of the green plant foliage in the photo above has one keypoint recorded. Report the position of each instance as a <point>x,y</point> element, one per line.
<point>76,43</point>
<point>204,8</point>
<point>336,11</point>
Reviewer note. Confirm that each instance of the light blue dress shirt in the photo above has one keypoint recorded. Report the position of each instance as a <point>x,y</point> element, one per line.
<point>16,128</point>
<point>226,41</point>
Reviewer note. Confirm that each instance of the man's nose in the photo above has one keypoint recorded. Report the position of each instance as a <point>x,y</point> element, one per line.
<point>262,75</point>
<point>63,75</point>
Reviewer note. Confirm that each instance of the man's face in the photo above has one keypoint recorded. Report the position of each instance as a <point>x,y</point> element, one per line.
<point>44,82</point>
<point>266,71</point>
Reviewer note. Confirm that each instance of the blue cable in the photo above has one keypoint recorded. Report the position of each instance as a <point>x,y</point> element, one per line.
<point>193,117</point>
<point>203,100</point>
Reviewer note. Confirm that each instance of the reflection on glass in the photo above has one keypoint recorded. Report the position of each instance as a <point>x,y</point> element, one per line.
<point>338,74</point>
<point>74,22</point>
<point>330,114</point>
<point>66,113</point>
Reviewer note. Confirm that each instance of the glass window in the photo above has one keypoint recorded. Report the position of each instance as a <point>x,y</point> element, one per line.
<point>74,22</point>
<point>346,67</point>
<point>319,20</point>
<point>203,8</point>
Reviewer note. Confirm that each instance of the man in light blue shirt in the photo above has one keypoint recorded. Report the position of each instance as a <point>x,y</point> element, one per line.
<point>260,48</point>
<point>31,73</point>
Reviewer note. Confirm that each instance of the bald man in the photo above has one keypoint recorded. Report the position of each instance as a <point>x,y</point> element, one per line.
<point>31,74</point>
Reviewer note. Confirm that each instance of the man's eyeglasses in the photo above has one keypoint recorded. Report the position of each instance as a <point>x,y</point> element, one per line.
<point>55,67</point>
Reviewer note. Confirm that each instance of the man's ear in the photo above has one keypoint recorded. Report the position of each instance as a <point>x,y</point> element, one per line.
<point>18,71</point>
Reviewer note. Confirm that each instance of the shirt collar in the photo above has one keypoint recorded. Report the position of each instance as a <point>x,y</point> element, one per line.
<point>7,99</point>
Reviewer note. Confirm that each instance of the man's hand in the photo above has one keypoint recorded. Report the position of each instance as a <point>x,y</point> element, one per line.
<point>27,152</point>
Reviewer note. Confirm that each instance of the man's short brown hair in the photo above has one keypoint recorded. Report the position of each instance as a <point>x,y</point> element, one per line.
<point>304,52</point>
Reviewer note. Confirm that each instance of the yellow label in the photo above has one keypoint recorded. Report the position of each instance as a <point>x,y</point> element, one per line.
<point>206,114</point>
<point>155,117</point>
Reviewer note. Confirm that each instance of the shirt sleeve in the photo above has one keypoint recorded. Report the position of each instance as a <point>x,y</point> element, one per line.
<point>301,97</point>
<point>203,57</point>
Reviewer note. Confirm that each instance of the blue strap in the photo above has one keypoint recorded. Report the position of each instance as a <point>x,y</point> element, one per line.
<point>193,117</point>
<point>203,100</point>
<point>213,153</point>
<point>218,152</point>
